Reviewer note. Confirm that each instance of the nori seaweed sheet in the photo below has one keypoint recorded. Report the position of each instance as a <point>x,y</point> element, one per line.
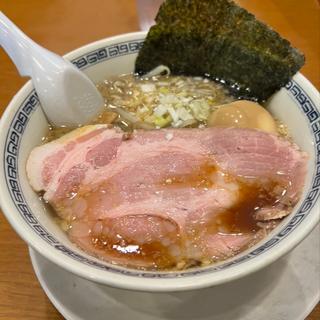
<point>222,41</point>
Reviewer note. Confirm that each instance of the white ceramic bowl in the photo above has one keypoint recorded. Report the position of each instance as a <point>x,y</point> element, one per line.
<point>23,124</point>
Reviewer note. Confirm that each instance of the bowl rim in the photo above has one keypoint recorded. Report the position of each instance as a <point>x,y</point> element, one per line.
<point>122,280</point>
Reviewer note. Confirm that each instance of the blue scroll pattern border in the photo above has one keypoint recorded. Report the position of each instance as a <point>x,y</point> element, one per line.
<point>19,123</point>
<point>107,53</point>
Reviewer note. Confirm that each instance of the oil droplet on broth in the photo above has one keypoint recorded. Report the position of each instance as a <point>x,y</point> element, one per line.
<point>240,218</point>
<point>157,250</point>
<point>199,178</point>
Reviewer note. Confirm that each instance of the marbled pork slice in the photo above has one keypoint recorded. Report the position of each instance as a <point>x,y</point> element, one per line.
<point>156,198</point>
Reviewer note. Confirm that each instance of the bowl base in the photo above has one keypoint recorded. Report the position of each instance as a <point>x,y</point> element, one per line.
<point>289,286</point>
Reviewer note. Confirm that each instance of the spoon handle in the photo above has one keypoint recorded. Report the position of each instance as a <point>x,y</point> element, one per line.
<point>16,44</point>
<point>67,95</point>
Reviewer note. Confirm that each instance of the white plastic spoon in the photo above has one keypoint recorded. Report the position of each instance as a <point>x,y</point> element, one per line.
<point>67,96</point>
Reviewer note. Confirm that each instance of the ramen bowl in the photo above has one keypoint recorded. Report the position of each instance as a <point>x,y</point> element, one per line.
<point>24,124</point>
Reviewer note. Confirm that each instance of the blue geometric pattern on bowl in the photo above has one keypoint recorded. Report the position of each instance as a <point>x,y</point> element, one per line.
<point>25,110</point>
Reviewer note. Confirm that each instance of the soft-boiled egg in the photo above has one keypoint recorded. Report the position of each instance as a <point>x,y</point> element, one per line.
<point>243,114</point>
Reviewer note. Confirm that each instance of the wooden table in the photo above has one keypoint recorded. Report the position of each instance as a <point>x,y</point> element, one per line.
<point>62,25</point>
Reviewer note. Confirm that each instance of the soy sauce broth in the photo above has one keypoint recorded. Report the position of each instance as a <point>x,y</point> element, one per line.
<point>135,95</point>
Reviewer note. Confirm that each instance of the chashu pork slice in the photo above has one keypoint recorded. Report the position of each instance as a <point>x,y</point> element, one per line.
<point>156,198</point>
